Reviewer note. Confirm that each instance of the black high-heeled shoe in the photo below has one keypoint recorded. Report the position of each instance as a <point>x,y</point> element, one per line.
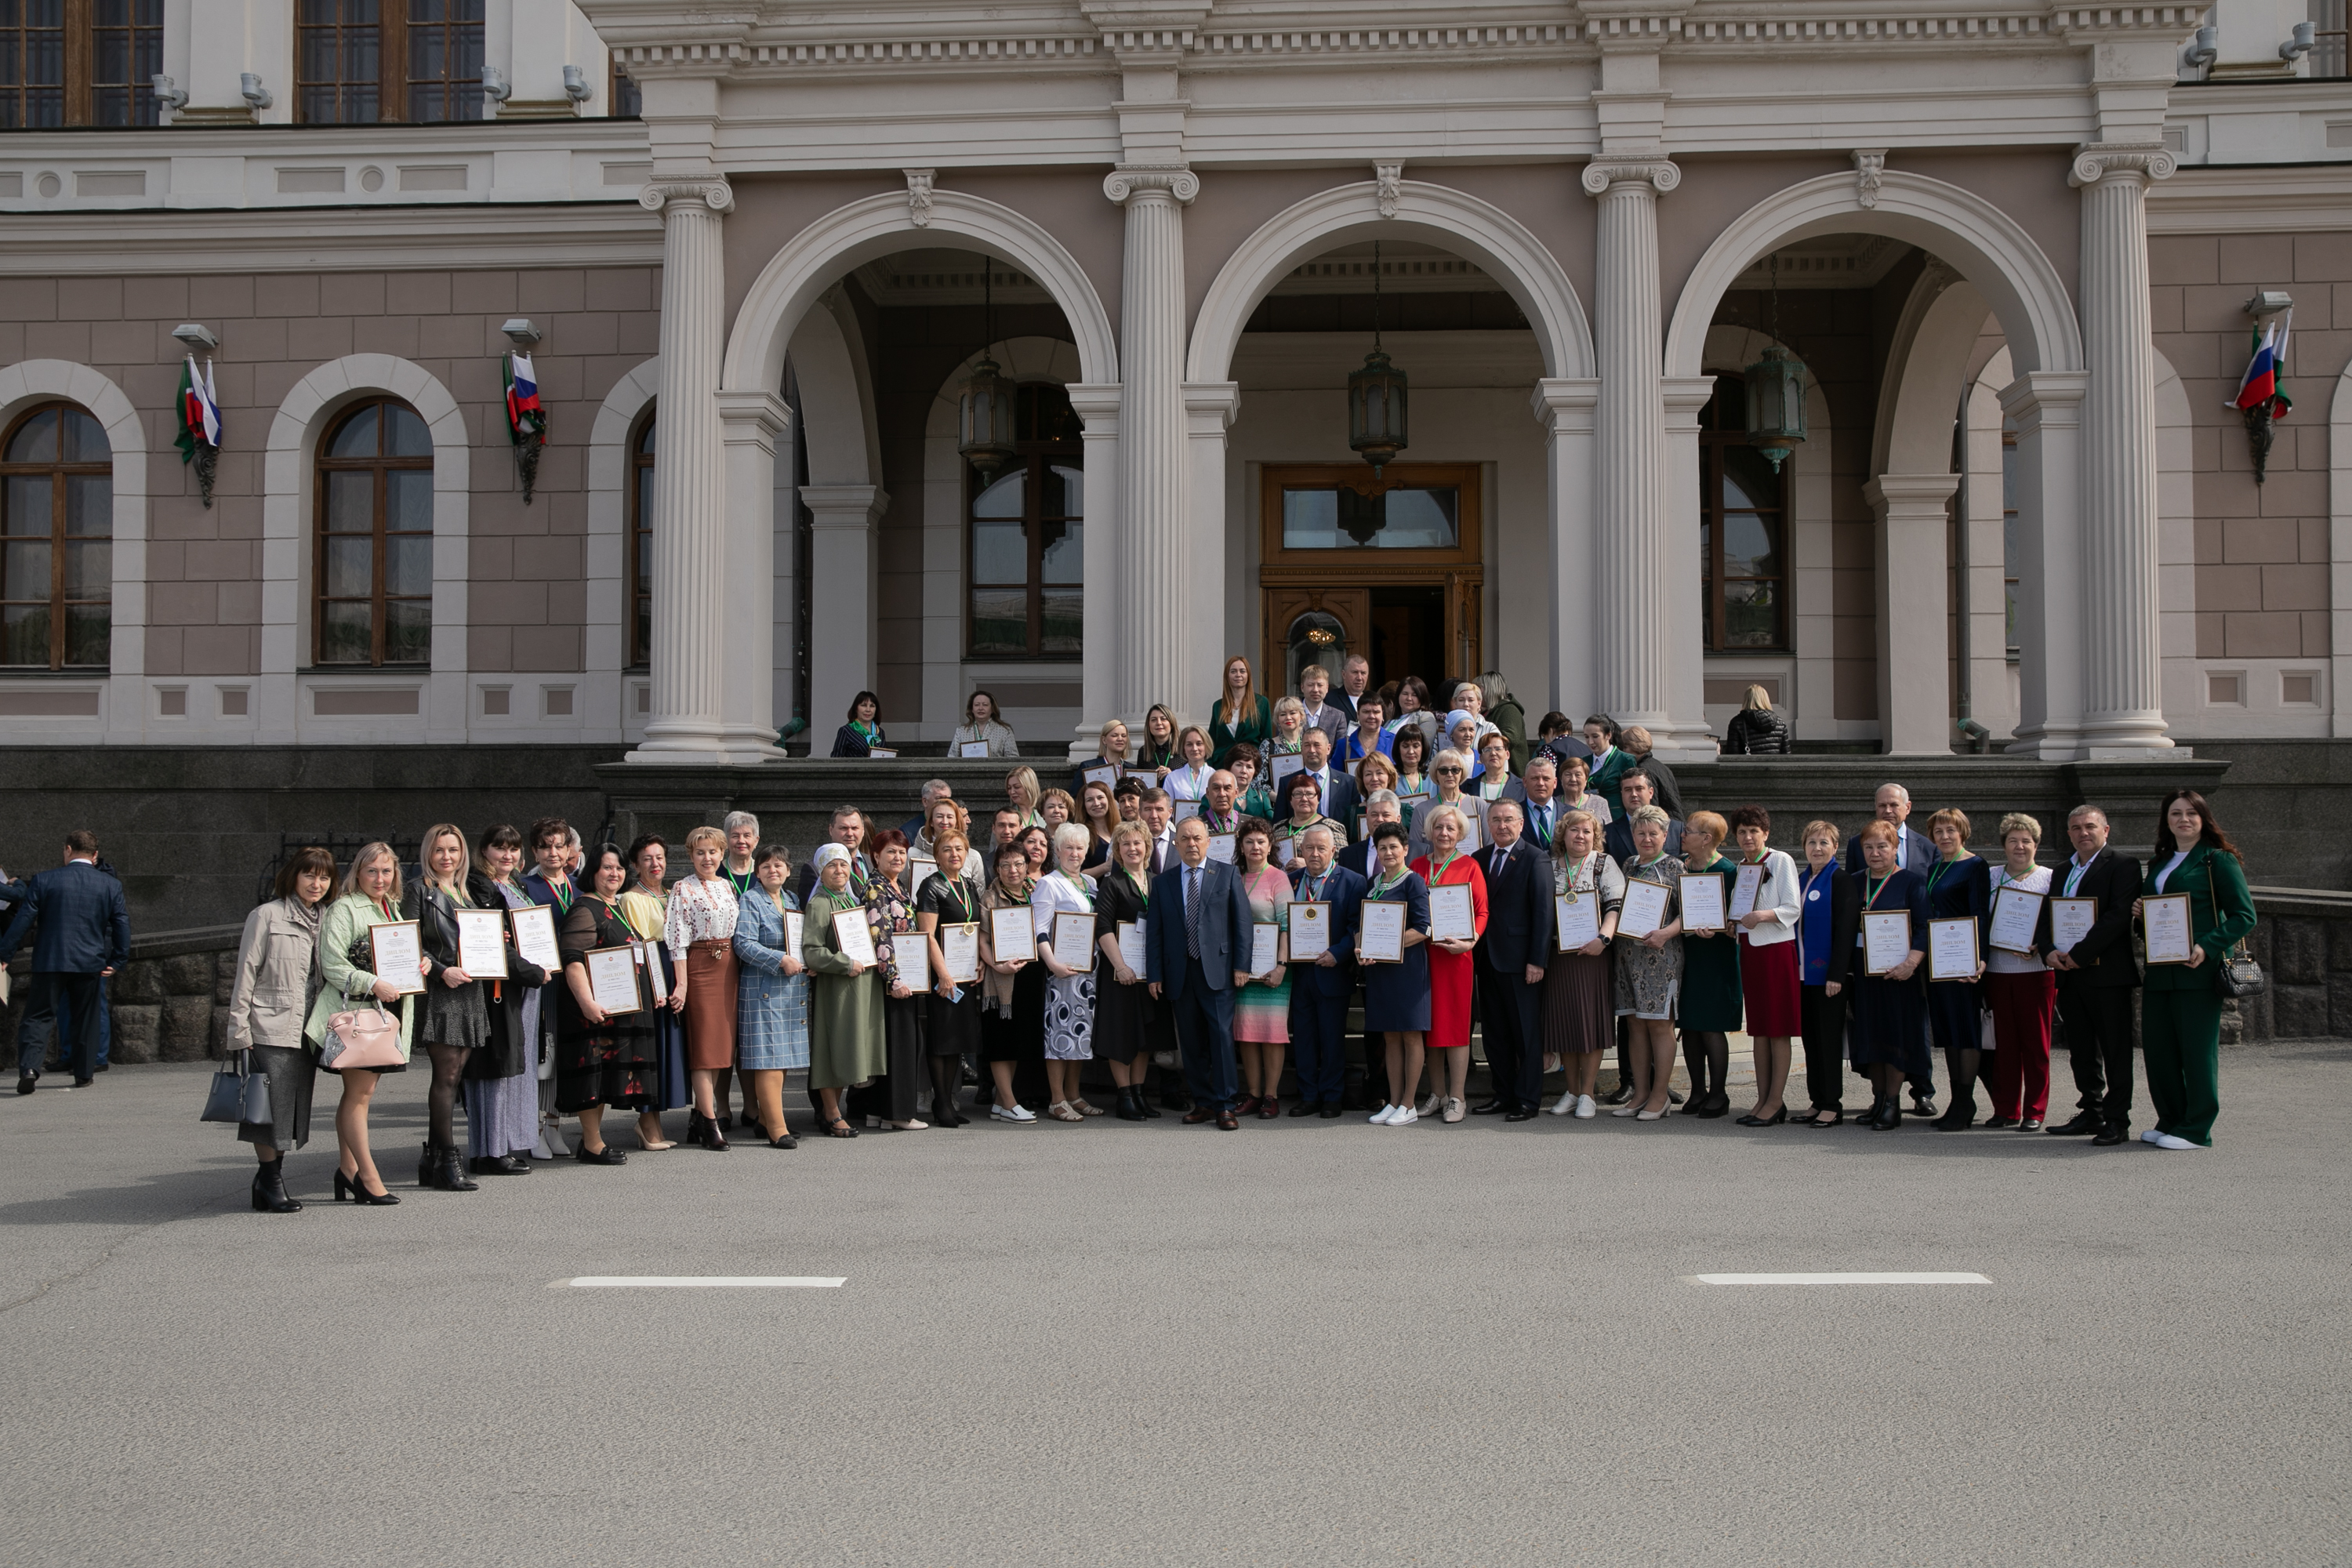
<point>269,1194</point>
<point>787,1142</point>
<point>346,1187</point>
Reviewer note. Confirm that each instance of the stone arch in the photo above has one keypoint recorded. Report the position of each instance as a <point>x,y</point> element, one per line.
<point>1440,215</point>
<point>606,711</point>
<point>286,509</point>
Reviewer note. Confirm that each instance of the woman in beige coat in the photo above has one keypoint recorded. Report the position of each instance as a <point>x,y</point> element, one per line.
<point>277,979</point>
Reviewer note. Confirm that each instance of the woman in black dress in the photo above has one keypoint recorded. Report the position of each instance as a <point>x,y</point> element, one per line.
<point>1888,1025</point>
<point>1128,1025</point>
<point>1959,887</point>
<point>601,1059</point>
<point>1012,1016</point>
<point>455,1020</point>
<point>891,1100</point>
<point>947,898</point>
<point>1396,993</point>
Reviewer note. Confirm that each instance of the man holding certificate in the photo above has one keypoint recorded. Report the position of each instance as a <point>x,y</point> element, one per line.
<point>1197,941</point>
<point>1327,905</point>
<point>1510,959</point>
<point>1881,961</point>
<point>2088,942</point>
<point>2181,1015</point>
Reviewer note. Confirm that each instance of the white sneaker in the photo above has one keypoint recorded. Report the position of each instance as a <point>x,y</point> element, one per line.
<point>1566,1103</point>
<point>1405,1117</point>
<point>1013,1113</point>
<point>1381,1117</point>
<point>1585,1111</point>
<point>2166,1140</point>
<point>2150,1136</point>
<point>1431,1106</point>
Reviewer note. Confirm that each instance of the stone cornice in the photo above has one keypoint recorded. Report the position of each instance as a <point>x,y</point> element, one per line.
<point>1657,172</point>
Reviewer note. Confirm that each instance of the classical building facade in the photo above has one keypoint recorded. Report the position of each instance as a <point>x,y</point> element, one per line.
<point>2017,255</point>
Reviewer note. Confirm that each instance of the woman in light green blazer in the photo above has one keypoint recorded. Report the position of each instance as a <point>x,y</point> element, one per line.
<point>2180,1006</point>
<point>370,897</point>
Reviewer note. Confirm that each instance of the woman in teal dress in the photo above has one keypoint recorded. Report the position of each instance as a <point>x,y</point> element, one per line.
<point>1239,713</point>
<point>1262,1007</point>
<point>1711,998</point>
<point>2180,1008</point>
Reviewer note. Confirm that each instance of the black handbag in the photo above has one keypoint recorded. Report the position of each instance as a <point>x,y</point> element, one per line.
<point>2240,975</point>
<point>238,1094</point>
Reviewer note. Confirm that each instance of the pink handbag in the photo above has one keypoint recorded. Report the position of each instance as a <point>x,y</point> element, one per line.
<point>369,1039</point>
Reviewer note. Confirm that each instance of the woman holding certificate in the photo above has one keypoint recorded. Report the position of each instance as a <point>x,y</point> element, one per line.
<point>1764,906</point>
<point>983,726</point>
<point>1113,752</point>
<point>1011,1020</point>
<point>1960,888</point>
<point>1262,1007</point>
<point>2020,989</point>
<point>837,944</point>
<point>1100,813</point>
<point>456,1018</point>
<point>1239,713</point>
<point>1881,961</point>
<point>1648,949</point>
<point>1392,947</point>
<point>947,911</point>
<point>346,963</point>
<point>646,906</point>
<point>603,1034</point>
<point>1158,753</point>
<point>1710,1005</point>
<point>699,926</point>
<point>1064,904</point>
<point>1128,1025</point>
<point>1457,918</point>
<point>1448,771</point>
<point>892,1100</point>
<point>1830,914</point>
<point>772,1031</point>
<point>1579,1020</point>
<point>1022,788</point>
<point>2180,1010</point>
<point>502,1077</point>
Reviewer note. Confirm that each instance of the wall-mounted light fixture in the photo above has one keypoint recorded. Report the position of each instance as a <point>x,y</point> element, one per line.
<point>197,335</point>
<point>519,331</point>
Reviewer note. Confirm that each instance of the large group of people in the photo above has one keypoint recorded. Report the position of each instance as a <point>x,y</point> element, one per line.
<point>1200,912</point>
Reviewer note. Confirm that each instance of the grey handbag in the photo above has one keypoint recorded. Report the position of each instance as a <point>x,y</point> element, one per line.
<point>238,1093</point>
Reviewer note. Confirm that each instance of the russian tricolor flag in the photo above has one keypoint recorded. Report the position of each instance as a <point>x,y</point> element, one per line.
<point>524,416</point>
<point>2261,386</point>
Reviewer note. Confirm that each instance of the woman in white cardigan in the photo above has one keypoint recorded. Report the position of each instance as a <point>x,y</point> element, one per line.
<point>1770,973</point>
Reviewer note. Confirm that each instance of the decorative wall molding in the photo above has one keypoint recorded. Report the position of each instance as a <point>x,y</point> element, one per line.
<point>1126,182</point>
<point>2094,161</point>
<point>918,196</point>
<point>1869,167</point>
<point>1390,179</point>
<point>1658,173</point>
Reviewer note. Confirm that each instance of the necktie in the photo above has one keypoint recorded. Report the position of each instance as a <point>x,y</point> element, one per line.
<point>1543,825</point>
<point>1494,865</point>
<point>1193,910</point>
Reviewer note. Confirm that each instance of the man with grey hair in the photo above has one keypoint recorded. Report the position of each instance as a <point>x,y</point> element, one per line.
<point>934,791</point>
<point>742,830</point>
<point>1912,852</point>
<point>1318,998</point>
<point>1638,745</point>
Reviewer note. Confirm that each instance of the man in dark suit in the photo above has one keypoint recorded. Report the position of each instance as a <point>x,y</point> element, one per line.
<point>1320,987</point>
<point>1381,805</point>
<point>934,791</point>
<point>1194,956</point>
<point>1337,789</point>
<point>848,830</point>
<point>1510,959</point>
<point>1156,810</point>
<point>1912,852</point>
<point>1668,791</point>
<point>1355,679</point>
<point>2096,977</point>
<point>1638,790</point>
<point>84,936</point>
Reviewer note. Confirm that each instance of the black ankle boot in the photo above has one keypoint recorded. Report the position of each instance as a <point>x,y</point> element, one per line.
<point>428,1162</point>
<point>1129,1110</point>
<point>269,1189</point>
<point>450,1175</point>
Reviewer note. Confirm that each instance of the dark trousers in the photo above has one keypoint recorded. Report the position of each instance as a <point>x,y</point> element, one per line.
<point>1204,1033</point>
<point>1318,1043</point>
<point>1508,1010</point>
<point>2095,1022</point>
<point>77,998</point>
<point>1822,1018</point>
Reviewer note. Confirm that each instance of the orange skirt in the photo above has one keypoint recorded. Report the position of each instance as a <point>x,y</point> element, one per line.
<point>710,975</point>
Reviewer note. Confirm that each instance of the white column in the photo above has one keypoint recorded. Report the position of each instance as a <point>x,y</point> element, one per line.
<point>1204,642</point>
<point>2047,405</point>
<point>1914,586</point>
<point>690,534</point>
<point>1153,610</point>
<point>845,573</point>
<point>749,424</point>
<point>1685,737</point>
<point>1565,408</point>
<point>2123,699</point>
<point>1637,570</point>
<point>1096,406</point>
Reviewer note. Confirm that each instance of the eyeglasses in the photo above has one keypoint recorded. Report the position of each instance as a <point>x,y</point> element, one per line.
<point>1449,773</point>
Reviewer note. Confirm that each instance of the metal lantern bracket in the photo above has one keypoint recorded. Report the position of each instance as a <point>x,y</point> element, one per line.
<point>1775,391</point>
<point>985,432</point>
<point>1376,395</point>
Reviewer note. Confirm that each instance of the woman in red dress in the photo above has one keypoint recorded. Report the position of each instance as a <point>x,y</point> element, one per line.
<point>1450,962</point>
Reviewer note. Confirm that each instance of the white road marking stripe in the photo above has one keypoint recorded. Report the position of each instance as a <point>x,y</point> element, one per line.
<point>1840,1279</point>
<point>704,1281</point>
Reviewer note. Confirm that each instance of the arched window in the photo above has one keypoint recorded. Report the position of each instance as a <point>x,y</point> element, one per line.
<point>1743,531</point>
<point>640,545</point>
<point>373,573</point>
<point>57,541</point>
<point>1028,537</point>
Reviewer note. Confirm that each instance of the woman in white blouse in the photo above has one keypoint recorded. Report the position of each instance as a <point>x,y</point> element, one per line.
<point>2021,990</point>
<point>983,725</point>
<point>699,929</point>
<point>1190,781</point>
<point>1770,973</point>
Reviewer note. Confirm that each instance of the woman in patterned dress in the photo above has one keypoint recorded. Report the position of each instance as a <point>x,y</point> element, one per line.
<point>1650,972</point>
<point>771,1035</point>
<point>894,1096</point>
<point>646,906</point>
<point>602,1059</point>
<point>1069,993</point>
<point>1262,1007</point>
<point>699,926</point>
<point>1007,1044</point>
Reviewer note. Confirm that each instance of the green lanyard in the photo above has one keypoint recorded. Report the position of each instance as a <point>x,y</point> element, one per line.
<point>1874,888</point>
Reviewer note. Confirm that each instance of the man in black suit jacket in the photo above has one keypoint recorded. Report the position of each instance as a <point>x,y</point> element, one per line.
<point>1196,957</point>
<point>1511,956</point>
<point>84,936</point>
<point>1912,852</point>
<point>2096,977</point>
<point>1320,986</point>
<point>1338,791</point>
<point>1637,789</point>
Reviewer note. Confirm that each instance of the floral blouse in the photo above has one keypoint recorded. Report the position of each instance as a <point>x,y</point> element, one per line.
<point>891,912</point>
<point>699,911</point>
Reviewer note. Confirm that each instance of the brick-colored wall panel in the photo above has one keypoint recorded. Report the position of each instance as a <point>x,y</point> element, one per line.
<point>2209,540</point>
<point>384,335</point>
<point>89,299</point>
<point>30,299</point>
<point>2263,635</point>
<point>184,603</point>
<point>219,651</point>
<point>2212,632</point>
<point>2258,540</point>
<point>124,342</point>
<point>489,561</point>
<point>2323,257</point>
<point>240,602</point>
<point>620,289</point>
<point>547,648</point>
<point>2316,642</point>
<point>57,340</point>
<point>158,298</point>
<point>550,293</point>
<point>11,342</point>
<point>2184,258</point>
<point>567,603</point>
<point>2229,588</point>
<point>2294,588</point>
<point>483,293</point>
<point>165,649</point>
<point>519,604</point>
<point>416,294</point>
<point>488,649</point>
<point>167,559</point>
<point>2294,493</point>
<point>260,340</point>
<point>221,561</point>
<point>294,294</point>
<point>228,297</point>
<point>587,331</point>
<point>453,337</point>
<point>639,336</point>
<point>1855,686</point>
<point>352,294</point>
<point>2163,309</point>
<point>2312,534</point>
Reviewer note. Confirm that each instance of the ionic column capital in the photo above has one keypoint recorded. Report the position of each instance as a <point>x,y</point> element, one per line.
<point>2094,161</point>
<point>1124,182</point>
<point>712,193</point>
<point>1659,174</point>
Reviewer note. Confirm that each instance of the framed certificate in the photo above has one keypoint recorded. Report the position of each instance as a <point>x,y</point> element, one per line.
<point>482,944</point>
<point>1266,947</point>
<point>1012,933</point>
<point>1703,900</point>
<point>1952,949</point>
<point>534,929</point>
<point>1310,929</point>
<point>854,936</point>
<point>1074,939</point>
<point>795,927</point>
<point>880,752</point>
<point>650,954</point>
<point>1885,940</point>
<point>1285,764</point>
<point>2165,917</point>
<point>2071,921</point>
<point>2015,914</point>
<point>1644,910</point>
<point>397,953</point>
<point>1577,919</point>
<point>1384,932</point>
<point>1221,847</point>
<point>1450,915</point>
<point>1471,838</point>
<point>1182,808</point>
<point>1282,851</point>
<point>1103,773</point>
<point>912,954</point>
<point>1746,883</point>
<point>959,946</point>
<point>972,749</point>
<point>1131,946</point>
<point>612,980</point>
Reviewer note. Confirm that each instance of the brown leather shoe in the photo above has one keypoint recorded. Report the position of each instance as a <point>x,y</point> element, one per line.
<point>1227,1121</point>
<point>1199,1113</point>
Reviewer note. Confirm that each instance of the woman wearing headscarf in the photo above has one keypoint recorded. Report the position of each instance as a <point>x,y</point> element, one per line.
<point>845,1038</point>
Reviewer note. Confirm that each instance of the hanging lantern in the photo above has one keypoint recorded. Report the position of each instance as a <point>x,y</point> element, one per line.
<point>984,420</point>
<point>1776,404</point>
<point>1376,396</point>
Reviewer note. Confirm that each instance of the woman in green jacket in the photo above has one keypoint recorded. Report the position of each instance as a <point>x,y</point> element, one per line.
<point>2181,1007</point>
<point>370,897</point>
<point>1239,714</point>
<point>845,1039</point>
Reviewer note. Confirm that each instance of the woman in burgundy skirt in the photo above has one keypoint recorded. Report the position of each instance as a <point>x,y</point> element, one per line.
<point>1770,980</point>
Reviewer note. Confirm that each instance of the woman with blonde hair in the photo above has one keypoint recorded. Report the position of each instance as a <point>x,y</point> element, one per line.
<point>1450,963</point>
<point>369,898</point>
<point>1191,780</point>
<point>1649,971</point>
<point>699,926</point>
<point>1710,1005</point>
<point>1289,730</point>
<point>1578,1015</point>
<point>1055,807</point>
<point>1755,730</point>
<point>1240,712</point>
<point>455,1017</point>
<point>1128,1025</point>
<point>2020,990</point>
<point>1022,788</point>
<point>1113,749</point>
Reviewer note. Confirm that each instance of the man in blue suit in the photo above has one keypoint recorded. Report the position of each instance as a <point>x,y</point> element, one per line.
<point>1320,987</point>
<point>1913,851</point>
<point>84,936</point>
<point>1338,791</point>
<point>1195,961</point>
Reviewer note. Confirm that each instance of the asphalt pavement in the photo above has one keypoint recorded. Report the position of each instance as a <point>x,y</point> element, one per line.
<point>1305,1342</point>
